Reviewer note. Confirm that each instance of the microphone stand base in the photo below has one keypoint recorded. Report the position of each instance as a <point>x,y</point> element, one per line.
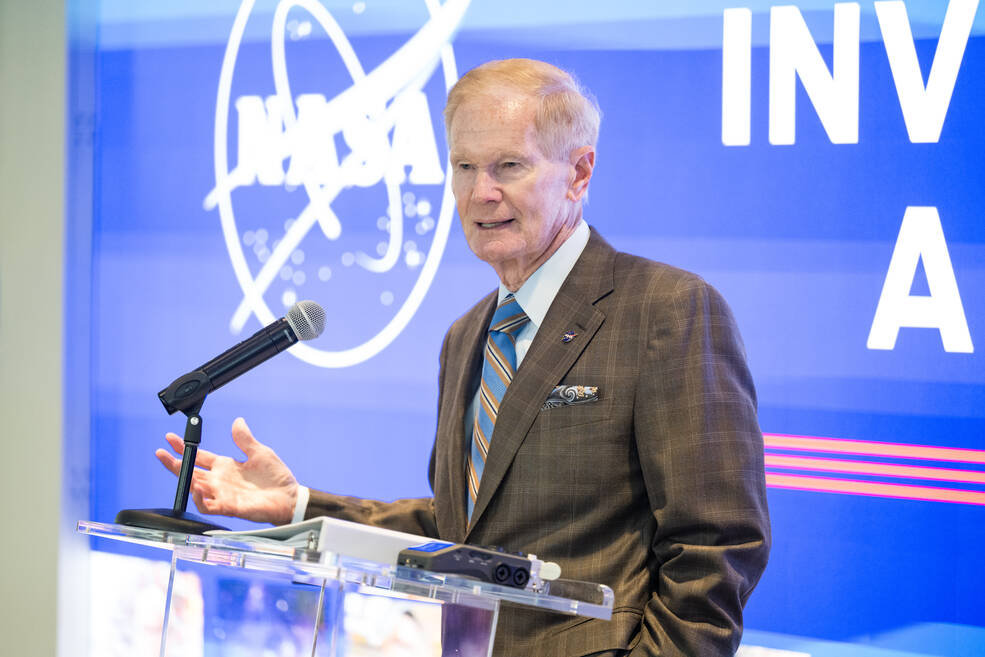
<point>167,520</point>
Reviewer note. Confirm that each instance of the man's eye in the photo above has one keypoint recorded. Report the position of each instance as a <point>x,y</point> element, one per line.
<point>464,166</point>
<point>510,165</point>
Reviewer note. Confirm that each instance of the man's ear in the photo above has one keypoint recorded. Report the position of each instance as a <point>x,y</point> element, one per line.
<point>583,161</point>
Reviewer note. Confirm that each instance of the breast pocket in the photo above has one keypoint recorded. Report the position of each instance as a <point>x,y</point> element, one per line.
<point>552,418</point>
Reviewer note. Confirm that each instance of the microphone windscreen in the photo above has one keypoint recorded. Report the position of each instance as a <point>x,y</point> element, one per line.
<point>307,320</point>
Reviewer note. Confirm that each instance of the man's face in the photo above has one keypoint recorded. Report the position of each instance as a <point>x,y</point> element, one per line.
<point>516,204</point>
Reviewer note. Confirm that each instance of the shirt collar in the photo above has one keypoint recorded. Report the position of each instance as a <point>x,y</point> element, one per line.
<point>537,294</point>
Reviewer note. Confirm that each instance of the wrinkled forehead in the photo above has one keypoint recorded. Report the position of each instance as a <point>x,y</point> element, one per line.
<point>497,107</point>
<point>501,114</point>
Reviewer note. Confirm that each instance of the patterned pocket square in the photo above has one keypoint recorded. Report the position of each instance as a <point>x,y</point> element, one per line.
<point>568,395</point>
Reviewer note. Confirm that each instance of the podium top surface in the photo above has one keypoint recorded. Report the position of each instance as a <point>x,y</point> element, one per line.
<point>302,564</point>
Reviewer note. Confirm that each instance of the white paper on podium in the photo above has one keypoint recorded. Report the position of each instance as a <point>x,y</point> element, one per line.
<point>325,534</point>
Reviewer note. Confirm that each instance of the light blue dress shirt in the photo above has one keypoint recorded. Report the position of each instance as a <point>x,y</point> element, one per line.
<point>535,296</point>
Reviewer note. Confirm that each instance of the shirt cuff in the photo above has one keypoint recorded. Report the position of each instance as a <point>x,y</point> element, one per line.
<point>301,505</point>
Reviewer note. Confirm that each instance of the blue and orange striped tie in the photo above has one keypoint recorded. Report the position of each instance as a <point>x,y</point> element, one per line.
<point>498,368</point>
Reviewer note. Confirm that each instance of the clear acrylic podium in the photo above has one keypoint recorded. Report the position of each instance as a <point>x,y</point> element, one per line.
<point>336,574</point>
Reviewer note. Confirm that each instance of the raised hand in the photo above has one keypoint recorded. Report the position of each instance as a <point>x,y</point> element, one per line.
<point>261,488</point>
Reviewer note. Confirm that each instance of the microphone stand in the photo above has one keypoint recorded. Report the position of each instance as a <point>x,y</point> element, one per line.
<point>176,519</point>
<point>305,320</point>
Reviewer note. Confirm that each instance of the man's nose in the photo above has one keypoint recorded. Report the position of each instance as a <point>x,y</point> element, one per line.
<point>485,189</point>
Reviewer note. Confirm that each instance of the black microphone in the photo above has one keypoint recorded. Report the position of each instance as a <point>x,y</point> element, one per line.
<point>304,321</point>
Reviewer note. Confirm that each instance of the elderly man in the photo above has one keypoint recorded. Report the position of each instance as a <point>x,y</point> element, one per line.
<point>595,410</point>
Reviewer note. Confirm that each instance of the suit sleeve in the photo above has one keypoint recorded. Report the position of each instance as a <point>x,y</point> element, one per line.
<point>701,454</point>
<point>412,515</point>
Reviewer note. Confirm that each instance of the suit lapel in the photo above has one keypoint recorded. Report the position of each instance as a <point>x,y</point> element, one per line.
<point>547,361</point>
<point>450,511</point>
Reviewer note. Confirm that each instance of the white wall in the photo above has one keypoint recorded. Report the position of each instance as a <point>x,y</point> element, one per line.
<point>32,161</point>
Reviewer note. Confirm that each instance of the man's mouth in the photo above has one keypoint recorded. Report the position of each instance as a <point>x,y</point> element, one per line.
<point>494,224</point>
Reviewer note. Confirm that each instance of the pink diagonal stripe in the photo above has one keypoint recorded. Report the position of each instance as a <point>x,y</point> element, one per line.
<point>852,487</point>
<point>879,469</point>
<point>869,448</point>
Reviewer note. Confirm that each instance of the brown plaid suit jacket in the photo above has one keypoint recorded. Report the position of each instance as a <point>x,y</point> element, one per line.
<point>657,489</point>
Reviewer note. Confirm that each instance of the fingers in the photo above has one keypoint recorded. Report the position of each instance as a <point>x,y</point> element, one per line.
<point>170,462</point>
<point>198,500</point>
<point>205,500</point>
<point>203,459</point>
<point>202,491</point>
<point>174,465</point>
<point>243,437</point>
<point>201,503</point>
<point>177,444</point>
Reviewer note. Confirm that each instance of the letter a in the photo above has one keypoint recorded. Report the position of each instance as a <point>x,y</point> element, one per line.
<point>921,236</point>
<point>413,140</point>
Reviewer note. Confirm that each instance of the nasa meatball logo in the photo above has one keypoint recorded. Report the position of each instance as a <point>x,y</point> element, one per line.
<point>338,192</point>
